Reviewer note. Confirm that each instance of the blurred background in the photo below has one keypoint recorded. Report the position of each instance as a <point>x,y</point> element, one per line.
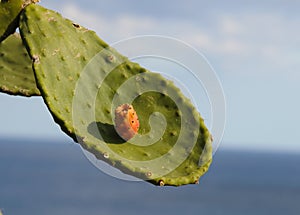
<point>254,48</point>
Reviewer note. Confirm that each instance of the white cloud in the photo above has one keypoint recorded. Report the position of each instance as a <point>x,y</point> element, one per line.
<point>267,41</point>
<point>231,26</point>
<point>113,30</point>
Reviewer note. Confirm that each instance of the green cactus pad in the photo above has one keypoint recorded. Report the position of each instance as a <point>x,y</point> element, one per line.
<point>83,80</point>
<point>9,11</point>
<point>16,74</point>
<point>9,15</point>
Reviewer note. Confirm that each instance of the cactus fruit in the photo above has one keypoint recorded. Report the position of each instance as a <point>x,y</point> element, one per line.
<point>9,15</point>
<point>16,74</point>
<point>126,121</point>
<point>83,80</point>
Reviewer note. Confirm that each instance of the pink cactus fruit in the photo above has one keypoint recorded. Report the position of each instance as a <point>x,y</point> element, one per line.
<point>126,121</point>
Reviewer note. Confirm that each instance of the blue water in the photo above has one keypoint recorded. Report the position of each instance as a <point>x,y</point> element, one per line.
<point>47,177</point>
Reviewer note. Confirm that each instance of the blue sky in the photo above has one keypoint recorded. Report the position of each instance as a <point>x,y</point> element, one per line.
<point>252,45</point>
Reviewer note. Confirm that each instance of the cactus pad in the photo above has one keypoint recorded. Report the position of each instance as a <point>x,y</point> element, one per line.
<point>16,74</point>
<point>83,81</point>
<point>9,11</point>
<point>9,14</point>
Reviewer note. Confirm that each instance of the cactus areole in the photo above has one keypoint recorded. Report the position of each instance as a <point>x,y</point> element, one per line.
<point>126,121</point>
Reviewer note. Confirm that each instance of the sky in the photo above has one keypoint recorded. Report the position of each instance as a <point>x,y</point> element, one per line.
<point>253,46</point>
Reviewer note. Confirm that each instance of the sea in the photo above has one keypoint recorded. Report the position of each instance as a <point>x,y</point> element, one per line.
<point>50,177</point>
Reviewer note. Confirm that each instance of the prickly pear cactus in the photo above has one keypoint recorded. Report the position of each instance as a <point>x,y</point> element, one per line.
<point>16,74</point>
<point>9,15</point>
<point>83,81</point>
